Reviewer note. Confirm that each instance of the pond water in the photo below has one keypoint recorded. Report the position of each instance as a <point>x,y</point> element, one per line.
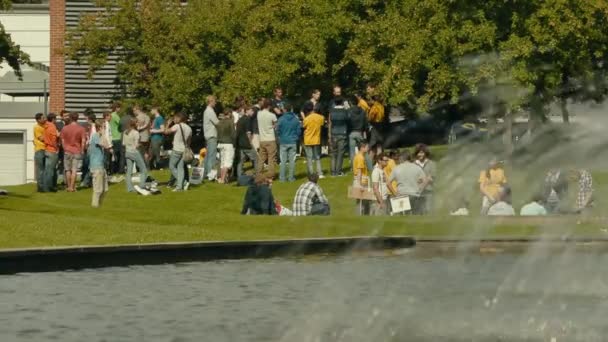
<point>498,297</point>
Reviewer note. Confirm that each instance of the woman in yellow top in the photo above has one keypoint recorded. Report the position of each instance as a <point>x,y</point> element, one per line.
<point>491,181</point>
<point>361,180</point>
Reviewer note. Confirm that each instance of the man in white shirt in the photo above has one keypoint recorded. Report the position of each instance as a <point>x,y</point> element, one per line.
<point>268,145</point>
<point>210,122</point>
<point>381,205</point>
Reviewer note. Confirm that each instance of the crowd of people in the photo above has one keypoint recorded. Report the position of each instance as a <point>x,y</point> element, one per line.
<point>265,133</point>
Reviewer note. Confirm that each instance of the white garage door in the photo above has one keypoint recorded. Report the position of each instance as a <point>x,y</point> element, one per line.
<point>12,159</point>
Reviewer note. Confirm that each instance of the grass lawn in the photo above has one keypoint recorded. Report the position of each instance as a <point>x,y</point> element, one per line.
<point>211,212</point>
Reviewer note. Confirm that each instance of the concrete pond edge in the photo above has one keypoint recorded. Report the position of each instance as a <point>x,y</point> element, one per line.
<point>53,259</point>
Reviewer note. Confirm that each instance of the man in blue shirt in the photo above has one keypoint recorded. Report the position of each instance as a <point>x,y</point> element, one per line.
<point>289,128</point>
<point>156,140</point>
<point>95,151</point>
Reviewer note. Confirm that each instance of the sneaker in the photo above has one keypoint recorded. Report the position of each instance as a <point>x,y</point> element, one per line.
<point>341,174</point>
<point>186,186</point>
<point>321,176</point>
<point>141,191</point>
<point>177,190</point>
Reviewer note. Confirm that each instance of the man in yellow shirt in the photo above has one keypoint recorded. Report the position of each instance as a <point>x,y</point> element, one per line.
<point>375,115</point>
<point>491,181</point>
<point>390,166</point>
<point>313,122</point>
<point>39,149</point>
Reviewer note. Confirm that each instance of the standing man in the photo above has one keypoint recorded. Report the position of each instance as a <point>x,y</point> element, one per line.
<point>255,140</point>
<point>313,124</point>
<point>85,176</point>
<point>279,105</point>
<point>358,126</point>
<point>107,137</point>
<point>73,140</point>
<point>361,179</point>
<point>51,151</point>
<point>338,128</point>
<point>125,125</point>
<point>95,151</point>
<point>116,139</point>
<point>411,180</point>
<point>39,150</point>
<point>244,146</point>
<point>156,140</point>
<point>315,97</point>
<point>376,120</point>
<point>381,205</point>
<point>210,122</point>
<point>182,137</point>
<point>143,127</point>
<point>268,146</point>
<point>288,130</point>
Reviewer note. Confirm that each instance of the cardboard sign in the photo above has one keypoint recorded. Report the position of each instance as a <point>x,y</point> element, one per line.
<point>400,204</point>
<point>197,175</point>
<point>360,193</point>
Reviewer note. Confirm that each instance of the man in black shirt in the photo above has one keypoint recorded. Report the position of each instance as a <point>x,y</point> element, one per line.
<point>244,146</point>
<point>338,127</point>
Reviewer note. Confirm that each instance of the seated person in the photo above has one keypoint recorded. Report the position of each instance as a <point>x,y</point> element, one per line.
<point>535,207</point>
<point>584,197</point>
<point>310,199</point>
<point>258,199</point>
<point>461,208</point>
<point>490,182</point>
<point>502,206</point>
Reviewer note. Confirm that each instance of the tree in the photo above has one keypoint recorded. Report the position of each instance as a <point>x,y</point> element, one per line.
<point>556,49</point>
<point>9,51</point>
<point>168,53</point>
<point>290,43</point>
<point>422,52</point>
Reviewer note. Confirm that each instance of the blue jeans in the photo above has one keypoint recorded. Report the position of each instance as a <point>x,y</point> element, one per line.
<point>211,156</point>
<point>353,138</point>
<point>137,159</point>
<point>252,155</point>
<point>118,166</point>
<point>313,155</point>
<point>176,165</point>
<point>338,149</point>
<point>50,165</point>
<point>39,163</point>
<point>288,156</point>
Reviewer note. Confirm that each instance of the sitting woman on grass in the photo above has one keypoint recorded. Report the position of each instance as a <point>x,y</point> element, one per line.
<point>491,180</point>
<point>259,199</point>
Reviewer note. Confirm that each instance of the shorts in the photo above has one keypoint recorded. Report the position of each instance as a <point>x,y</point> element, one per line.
<point>226,155</point>
<point>72,162</point>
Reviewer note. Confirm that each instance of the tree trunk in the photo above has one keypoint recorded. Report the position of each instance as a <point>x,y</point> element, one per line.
<point>563,103</point>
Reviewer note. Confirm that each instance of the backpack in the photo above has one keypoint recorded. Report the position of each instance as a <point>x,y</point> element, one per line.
<point>339,120</point>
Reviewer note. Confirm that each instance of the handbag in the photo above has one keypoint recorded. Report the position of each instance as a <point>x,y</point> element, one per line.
<point>188,155</point>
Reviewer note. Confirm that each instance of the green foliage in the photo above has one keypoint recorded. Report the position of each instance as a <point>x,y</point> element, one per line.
<point>9,51</point>
<point>420,53</point>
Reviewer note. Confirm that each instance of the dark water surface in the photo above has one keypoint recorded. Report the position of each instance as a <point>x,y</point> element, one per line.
<point>500,297</point>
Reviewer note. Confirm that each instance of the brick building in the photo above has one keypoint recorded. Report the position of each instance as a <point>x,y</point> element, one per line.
<point>69,87</point>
